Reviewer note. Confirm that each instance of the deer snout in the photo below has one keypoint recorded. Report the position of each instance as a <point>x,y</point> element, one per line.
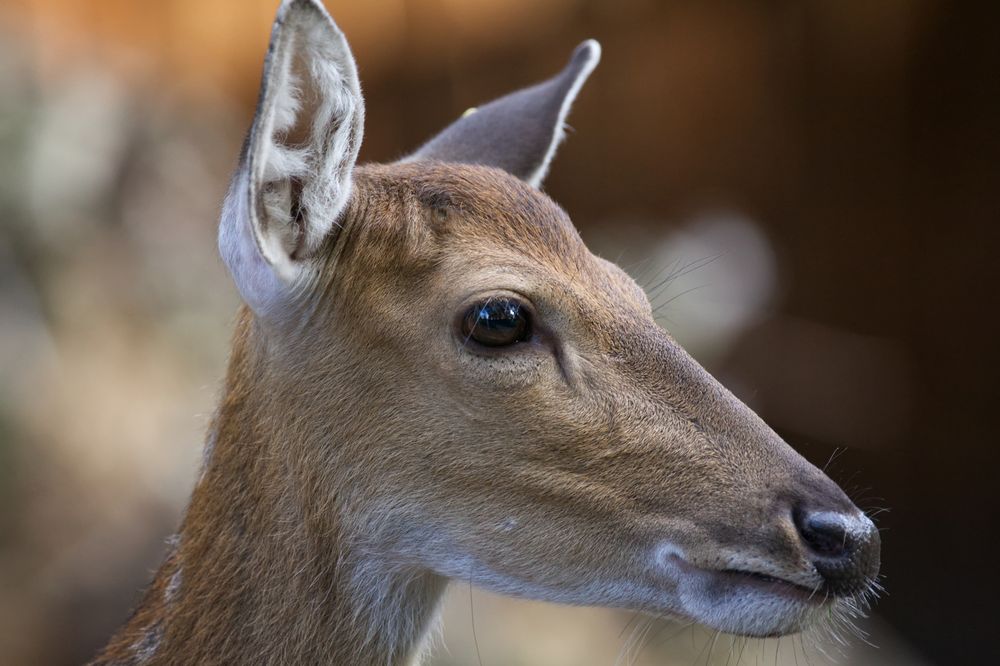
<point>844,548</point>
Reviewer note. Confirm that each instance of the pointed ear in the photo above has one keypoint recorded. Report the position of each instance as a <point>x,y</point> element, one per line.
<point>294,178</point>
<point>521,131</point>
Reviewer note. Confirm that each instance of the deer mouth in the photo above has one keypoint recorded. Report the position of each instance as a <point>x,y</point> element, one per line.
<point>743,601</point>
<point>752,579</point>
<point>747,580</point>
<point>773,584</point>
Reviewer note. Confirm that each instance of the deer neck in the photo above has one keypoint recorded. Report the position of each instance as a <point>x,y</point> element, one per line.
<point>264,568</point>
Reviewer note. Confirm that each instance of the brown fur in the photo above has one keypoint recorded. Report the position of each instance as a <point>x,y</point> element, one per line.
<point>362,456</point>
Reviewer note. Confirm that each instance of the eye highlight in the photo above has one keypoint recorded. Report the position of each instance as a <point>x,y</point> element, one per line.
<point>499,321</point>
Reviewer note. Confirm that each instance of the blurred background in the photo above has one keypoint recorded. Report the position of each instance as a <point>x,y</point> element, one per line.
<point>818,178</point>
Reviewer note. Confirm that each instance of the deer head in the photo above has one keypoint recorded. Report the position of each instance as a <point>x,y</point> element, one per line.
<point>434,369</point>
<point>522,421</point>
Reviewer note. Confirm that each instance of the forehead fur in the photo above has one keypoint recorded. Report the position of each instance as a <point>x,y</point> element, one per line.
<point>463,204</point>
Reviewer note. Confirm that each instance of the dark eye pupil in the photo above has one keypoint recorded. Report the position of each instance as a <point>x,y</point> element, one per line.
<point>496,322</point>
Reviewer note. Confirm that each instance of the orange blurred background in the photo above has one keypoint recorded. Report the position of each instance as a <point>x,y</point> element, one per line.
<point>827,170</point>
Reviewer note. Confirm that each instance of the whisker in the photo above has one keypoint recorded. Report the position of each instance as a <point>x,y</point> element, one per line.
<point>681,272</point>
<point>657,308</point>
<point>708,660</point>
<point>472,617</point>
<point>628,624</point>
<point>833,456</point>
<point>662,640</point>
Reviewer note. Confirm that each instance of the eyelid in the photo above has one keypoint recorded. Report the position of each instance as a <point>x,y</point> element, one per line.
<point>483,295</point>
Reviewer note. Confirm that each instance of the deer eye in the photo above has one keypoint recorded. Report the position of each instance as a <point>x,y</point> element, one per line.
<point>497,322</point>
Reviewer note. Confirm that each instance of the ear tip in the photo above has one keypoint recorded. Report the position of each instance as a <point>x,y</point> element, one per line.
<point>588,53</point>
<point>312,4</point>
<point>305,13</point>
<point>289,6</point>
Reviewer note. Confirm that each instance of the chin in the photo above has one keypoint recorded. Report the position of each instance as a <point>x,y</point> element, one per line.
<point>751,604</point>
<point>754,613</point>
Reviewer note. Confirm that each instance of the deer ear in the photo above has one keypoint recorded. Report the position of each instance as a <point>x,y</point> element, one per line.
<point>294,178</point>
<point>521,131</point>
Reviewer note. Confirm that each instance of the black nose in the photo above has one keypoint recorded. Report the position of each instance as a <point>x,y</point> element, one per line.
<point>844,548</point>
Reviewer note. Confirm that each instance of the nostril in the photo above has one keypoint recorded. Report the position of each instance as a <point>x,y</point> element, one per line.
<point>825,532</point>
<point>844,548</point>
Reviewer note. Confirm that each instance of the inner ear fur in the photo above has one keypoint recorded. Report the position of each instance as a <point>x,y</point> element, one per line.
<point>295,175</point>
<point>308,130</point>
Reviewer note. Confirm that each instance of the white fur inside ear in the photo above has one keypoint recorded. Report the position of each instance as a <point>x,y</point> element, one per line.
<point>593,56</point>
<point>312,72</point>
<point>303,146</point>
<point>280,161</point>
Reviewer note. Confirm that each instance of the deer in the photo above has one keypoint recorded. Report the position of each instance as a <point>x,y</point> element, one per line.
<point>433,379</point>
